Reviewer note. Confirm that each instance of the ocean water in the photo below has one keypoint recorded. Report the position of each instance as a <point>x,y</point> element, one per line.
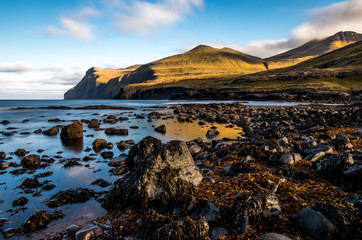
<point>78,176</point>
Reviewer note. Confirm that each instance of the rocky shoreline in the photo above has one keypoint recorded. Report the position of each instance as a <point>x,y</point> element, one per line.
<point>293,173</point>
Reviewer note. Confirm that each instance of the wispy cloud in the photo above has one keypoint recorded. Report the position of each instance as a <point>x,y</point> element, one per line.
<point>16,67</point>
<point>322,22</point>
<point>144,16</point>
<point>76,25</point>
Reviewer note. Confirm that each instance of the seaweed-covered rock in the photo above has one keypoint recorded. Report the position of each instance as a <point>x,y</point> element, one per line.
<point>52,131</point>
<point>115,131</point>
<point>20,152</point>
<point>70,196</point>
<point>250,208</point>
<point>99,144</point>
<point>107,154</point>
<point>335,164</point>
<point>94,124</point>
<point>31,160</point>
<point>72,131</point>
<point>40,220</point>
<point>239,167</point>
<point>20,201</point>
<point>141,150</point>
<point>158,180</point>
<point>167,228</point>
<point>211,133</point>
<point>29,183</point>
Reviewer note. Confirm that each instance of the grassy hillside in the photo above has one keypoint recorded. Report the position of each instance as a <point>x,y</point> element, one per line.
<point>313,49</point>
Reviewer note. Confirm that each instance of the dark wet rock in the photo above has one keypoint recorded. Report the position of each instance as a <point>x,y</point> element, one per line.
<point>99,144</point>
<point>342,143</point>
<point>40,220</point>
<point>38,131</point>
<point>314,129</point>
<point>54,120</point>
<point>165,228</point>
<point>20,152</point>
<point>211,133</point>
<point>195,149</point>
<point>159,179</point>
<point>109,145</point>
<point>161,129</point>
<point>123,145</point>
<point>30,161</point>
<point>123,119</point>
<point>290,159</point>
<point>89,232</point>
<point>52,131</point>
<point>18,171</point>
<point>101,182</point>
<point>20,201</point>
<point>335,164</point>
<point>116,162</point>
<point>184,205</point>
<point>107,154</point>
<point>5,122</point>
<point>94,124</point>
<point>315,224</point>
<point>115,131</point>
<point>208,210</point>
<point>71,163</point>
<point>250,208</point>
<point>239,167</point>
<point>48,187</point>
<point>320,148</point>
<point>10,232</point>
<point>70,196</point>
<point>44,174</point>
<point>327,136</point>
<point>358,132</point>
<point>217,233</point>
<point>356,201</point>
<point>134,127</point>
<point>272,236</point>
<point>141,150</point>
<point>272,132</point>
<point>72,131</point>
<point>316,157</point>
<point>72,229</point>
<point>29,183</point>
<point>2,155</point>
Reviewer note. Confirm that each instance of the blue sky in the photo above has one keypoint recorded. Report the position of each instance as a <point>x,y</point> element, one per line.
<point>46,46</point>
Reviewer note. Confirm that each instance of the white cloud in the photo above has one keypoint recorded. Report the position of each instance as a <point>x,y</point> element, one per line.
<point>16,67</point>
<point>322,22</point>
<point>145,17</point>
<point>76,25</point>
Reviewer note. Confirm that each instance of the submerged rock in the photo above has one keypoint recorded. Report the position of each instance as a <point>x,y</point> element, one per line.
<point>70,196</point>
<point>20,201</point>
<point>40,220</point>
<point>159,179</point>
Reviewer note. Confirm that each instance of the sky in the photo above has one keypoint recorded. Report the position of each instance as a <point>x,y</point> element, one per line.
<point>47,46</point>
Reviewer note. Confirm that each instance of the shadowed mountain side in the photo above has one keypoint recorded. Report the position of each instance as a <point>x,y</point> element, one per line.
<point>313,49</point>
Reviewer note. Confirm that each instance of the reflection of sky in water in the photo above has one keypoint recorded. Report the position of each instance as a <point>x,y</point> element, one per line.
<point>79,176</point>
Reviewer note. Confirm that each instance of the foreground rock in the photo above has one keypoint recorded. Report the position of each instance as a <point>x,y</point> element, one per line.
<point>162,176</point>
<point>70,196</point>
<point>73,131</point>
<point>40,220</point>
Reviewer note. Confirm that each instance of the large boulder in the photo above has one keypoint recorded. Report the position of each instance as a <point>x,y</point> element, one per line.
<point>140,151</point>
<point>158,180</point>
<point>72,131</point>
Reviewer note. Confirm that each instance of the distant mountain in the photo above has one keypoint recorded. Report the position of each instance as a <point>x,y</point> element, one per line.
<point>313,49</point>
<point>202,62</point>
<point>99,83</point>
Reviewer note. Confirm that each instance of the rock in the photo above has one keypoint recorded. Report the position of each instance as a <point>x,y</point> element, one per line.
<point>114,131</point>
<point>20,201</point>
<point>10,232</point>
<point>72,131</point>
<point>89,232</point>
<point>72,163</point>
<point>31,160</point>
<point>116,162</point>
<point>165,228</point>
<point>141,150</point>
<point>320,148</point>
<point>70,196</point>
<point>316,157</point>
<point>185,205</point>
<point>239,167</point>
<point>218,233</point>
<point>290,159</point>
<point>159,179</point>
<point>356,200</point>
<point>249,208</point>
<point>272,236</point>
<point>209,211</point>
<point>40,220</point>
<point>52,131</point>
<point>212,133</point>
<point>2,155</point>
<point>48,187</point>
<point>314,224</point>
<point>109,145</point>
<point>72,229</point>
<point>38,131</point>
<point>94,124</point>
<point>29,183</point>
<point>335,164</point>
<point>353,177</point>
<point>20,152</point>
<point>195,149</point>
<point>314,129</point>
<point>99,144</point>
<point>5,122</point>
<point>107,154</point>
<point>161,129</point>
<point>101,182</point>
<point>123,145</point>
<point>358,132</point>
